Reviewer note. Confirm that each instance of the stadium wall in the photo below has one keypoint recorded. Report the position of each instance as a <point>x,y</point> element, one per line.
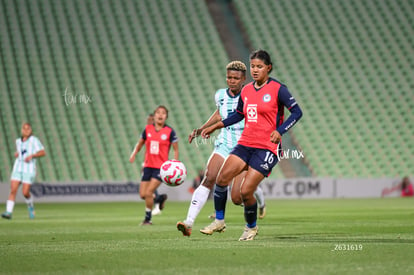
<point>299,188</point>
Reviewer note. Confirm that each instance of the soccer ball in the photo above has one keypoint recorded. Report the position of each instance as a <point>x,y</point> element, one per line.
<point>173,172</point>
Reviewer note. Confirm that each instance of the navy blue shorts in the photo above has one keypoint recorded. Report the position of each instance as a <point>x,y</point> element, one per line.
<point>262,160</point>
<point>149,173</point>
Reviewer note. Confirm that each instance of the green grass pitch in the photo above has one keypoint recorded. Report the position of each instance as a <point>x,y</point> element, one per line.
<point>343,236</point>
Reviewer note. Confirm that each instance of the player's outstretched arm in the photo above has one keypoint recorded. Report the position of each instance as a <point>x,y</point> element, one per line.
<point>234,118</point>
<point>38,154</point>
<point>137,148</point>
<point>192,135</point>
<point>210,129</point>
<point>175,148</point>
<point>215,117</point>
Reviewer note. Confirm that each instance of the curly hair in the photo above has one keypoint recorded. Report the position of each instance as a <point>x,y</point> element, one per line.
<point>237,66</point>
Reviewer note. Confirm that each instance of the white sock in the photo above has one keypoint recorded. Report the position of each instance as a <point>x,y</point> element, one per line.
<point>29,201</point>
<point>157,206</point>
<point>9,206</point>
<point>198,201</point>
<point>259,196</point>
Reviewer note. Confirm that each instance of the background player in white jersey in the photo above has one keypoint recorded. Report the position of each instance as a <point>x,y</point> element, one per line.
<point>226,102</point>
<point>28,149</point>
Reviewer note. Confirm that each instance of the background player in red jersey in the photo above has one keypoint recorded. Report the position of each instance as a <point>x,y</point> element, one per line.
<point>261,104</point>
<point>157,138</point>
<point>159,199</point>
<point>405,187</point>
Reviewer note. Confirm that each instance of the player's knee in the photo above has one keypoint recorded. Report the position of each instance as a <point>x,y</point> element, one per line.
<point>142,195</point>
<point>236,199</point>
<point>26,194</point>
<point>149,194</point>
<point>13,191</point>
<point>209,180</point>
<point>223,179</point>
<point>246,194</point>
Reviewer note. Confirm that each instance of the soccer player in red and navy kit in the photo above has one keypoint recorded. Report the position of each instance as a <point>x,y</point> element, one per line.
<point>157,138</point>
<point>261,104</point>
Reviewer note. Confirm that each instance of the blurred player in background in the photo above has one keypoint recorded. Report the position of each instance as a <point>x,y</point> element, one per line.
<point>405,187</point>
<point>261,105</point>
<point>226,102</point>
<point>159,199</point>
<point>157,138</point>
<point>197,181</point>
<point>28,149</point>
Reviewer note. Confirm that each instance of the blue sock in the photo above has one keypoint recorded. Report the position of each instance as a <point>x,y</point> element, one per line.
<point>250,215</point>
<point>220,199</point>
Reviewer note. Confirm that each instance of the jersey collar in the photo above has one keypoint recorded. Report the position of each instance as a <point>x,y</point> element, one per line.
<point>267,82</point>
<point>229,94</point>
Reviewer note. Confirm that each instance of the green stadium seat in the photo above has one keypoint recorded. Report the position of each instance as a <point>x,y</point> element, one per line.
<point>350,76</point>
<point>112,50</point>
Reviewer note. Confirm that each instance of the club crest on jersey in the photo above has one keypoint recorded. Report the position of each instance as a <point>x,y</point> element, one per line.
<point>251,112</point>
<point>266,98</point>
<point>163,136</point>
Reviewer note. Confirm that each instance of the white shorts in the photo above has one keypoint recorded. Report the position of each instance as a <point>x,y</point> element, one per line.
<point>222,150</point>
<point>23,177</point>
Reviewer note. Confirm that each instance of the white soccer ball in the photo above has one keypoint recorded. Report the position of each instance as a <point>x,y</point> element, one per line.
<point>173,172</point>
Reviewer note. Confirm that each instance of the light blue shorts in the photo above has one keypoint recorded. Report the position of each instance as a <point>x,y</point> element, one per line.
<point>23,177</point>
<point>222,149</point>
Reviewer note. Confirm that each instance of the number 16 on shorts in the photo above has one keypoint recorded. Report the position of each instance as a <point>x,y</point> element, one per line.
<point>269,160</point>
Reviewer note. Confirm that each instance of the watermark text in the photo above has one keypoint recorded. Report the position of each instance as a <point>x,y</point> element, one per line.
<point>71,98</point>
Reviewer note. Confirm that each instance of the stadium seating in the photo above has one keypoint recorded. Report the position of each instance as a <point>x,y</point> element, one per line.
<point>348,64</point>
<point>128,57</point>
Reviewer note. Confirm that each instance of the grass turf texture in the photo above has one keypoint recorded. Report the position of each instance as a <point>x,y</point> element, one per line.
<point>296,236</point>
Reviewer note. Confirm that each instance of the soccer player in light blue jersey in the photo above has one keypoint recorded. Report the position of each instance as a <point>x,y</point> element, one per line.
<point>28,149</point>
<point>226,102</point>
